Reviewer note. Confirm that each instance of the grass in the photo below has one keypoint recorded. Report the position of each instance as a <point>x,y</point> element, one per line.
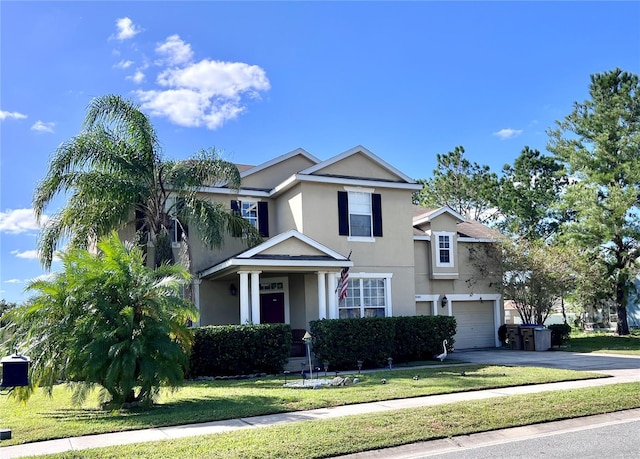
<point>604,342</point>
<point>327,438</point>
<point>48,418</point>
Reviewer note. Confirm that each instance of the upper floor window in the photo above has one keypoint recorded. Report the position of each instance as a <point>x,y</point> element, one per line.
<point>177,228</point>
<point>359,214</point>
<point>249,210</point>
<point>255,212</point>
<point>444,249</point>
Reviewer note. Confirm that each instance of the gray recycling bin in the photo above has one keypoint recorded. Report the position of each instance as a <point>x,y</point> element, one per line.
<point>542,338</point>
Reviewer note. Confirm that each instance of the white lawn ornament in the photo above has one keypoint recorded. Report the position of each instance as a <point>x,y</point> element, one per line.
<point>443,356</point>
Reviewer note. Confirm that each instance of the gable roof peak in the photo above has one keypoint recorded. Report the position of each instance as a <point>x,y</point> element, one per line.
<point>279,159</point>
<point>358,149</point>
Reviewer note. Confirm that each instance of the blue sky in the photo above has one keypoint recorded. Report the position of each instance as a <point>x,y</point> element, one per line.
<point>407,80</point>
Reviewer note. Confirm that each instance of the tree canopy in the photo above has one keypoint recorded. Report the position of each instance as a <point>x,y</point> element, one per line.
<point>599,142</point>
<point>106,319</point>
<point>466,187</point>
<point>113,175</point>
<point>528,192</point>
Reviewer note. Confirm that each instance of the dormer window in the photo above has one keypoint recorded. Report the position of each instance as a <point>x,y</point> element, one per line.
<point>444,249</point>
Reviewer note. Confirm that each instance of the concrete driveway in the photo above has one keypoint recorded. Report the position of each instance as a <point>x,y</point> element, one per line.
<point>602,363</point>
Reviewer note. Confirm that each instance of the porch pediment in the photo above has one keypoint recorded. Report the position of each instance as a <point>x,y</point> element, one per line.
<point>291,249</point>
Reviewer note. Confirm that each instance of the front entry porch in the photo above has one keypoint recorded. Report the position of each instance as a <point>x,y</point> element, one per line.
<point>287,279</point>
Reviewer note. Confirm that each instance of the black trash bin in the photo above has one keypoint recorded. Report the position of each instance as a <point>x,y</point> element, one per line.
<point>513,337</point>
<point>528,338</point>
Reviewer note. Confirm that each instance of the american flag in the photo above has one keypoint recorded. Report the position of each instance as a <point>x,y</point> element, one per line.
<point>344,281</point>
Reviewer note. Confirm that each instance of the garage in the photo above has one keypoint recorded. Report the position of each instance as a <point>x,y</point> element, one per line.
<point>476,328</point>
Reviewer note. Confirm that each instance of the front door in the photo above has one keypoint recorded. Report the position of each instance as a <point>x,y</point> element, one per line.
<point>272,308</point>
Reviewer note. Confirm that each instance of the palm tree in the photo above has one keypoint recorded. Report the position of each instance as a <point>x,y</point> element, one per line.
<point>114,175</point>
<point>108,320</point>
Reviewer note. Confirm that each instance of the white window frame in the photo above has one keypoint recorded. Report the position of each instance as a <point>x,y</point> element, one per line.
<point>351,202</point>
<point>450,237</point>
<point>360,277</point>
<point>244,211</point>
<point>170,204</point>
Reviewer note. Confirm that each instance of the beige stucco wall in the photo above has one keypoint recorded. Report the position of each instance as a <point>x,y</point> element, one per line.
<point>288,210</point>
<point>297,300</point>
<point>358,165</point>
<point>217,306</point>
<point>470,280</point>
<point>275,174</point>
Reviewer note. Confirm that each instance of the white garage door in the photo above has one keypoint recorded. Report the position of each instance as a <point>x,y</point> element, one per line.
<point>475,324</point>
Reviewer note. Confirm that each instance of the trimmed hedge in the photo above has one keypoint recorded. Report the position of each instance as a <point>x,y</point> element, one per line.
<point>342,342</point>
<point>229,350</point>
<point>559,333</point>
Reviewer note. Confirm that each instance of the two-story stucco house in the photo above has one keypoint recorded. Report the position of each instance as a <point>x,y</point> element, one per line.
<point>352,211</point>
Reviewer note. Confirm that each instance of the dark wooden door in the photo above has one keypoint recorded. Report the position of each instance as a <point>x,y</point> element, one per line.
<point>272,308</point>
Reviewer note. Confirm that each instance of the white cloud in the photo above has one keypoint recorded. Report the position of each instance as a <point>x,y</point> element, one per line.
<point>175,51</point>
<point>11,115</point>
<point>137,77</point>
<point>126,29</point>
<point>44,277</point>
<point>504,134</point>
<point>124,64</point>
<point>205,93</point>
<point>26,255</point>
<point>19,221</point>
<point>41,126</point>
<point>13,281</point>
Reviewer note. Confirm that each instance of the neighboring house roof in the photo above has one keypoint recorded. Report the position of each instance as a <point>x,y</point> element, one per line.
<point>243,167</point>
<point>423,216</point>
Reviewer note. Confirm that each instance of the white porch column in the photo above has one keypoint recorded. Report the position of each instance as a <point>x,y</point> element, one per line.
<point>255,297</point>
<point>196,299</point>
<point>322,295</point>
<point>244,297</point>
<point>333,297</point>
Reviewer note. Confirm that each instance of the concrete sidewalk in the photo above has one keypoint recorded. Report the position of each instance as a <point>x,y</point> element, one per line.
<point>622,369</point>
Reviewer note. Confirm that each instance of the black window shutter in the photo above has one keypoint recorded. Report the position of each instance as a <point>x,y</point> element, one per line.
<point>235,209</point>
<point>343,213</point>
<point>376,207</point>
<point>235,206</point>
<point>263,218</point>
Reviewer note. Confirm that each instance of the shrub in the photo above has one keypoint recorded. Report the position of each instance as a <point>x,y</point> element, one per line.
<point>559,333</point>
<point>105,319</point>
<point>229,350</point>
<point>343,342</point>
<point>502,334</point>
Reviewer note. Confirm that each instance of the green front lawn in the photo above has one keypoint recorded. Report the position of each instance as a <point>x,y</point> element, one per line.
<point>47,418</point>
<point>604,342</point>
<point>328,438</point>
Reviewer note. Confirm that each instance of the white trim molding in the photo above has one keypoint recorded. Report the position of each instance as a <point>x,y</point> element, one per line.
<point>451,249</point>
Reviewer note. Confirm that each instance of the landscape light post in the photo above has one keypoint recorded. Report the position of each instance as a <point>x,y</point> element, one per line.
<point>307,341</point>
